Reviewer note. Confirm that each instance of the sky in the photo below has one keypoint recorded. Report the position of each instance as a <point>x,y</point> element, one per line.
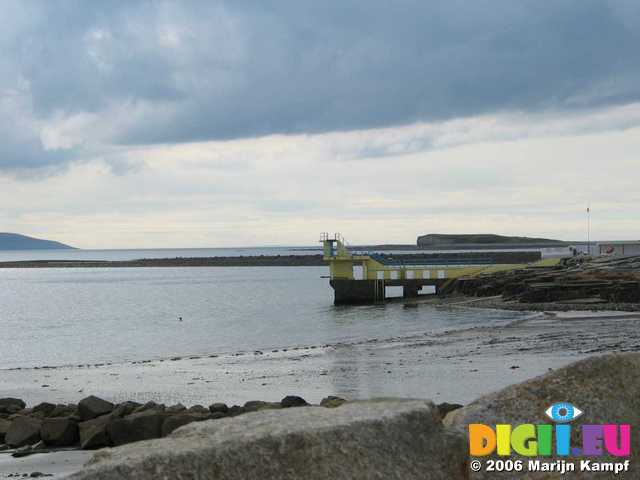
<point>151,124</point>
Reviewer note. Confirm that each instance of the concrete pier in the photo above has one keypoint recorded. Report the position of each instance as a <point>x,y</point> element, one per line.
<point>352,292</point>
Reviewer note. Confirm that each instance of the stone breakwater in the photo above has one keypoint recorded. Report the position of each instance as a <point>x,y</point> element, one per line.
<point>95,423</point>
<point>268,260</point>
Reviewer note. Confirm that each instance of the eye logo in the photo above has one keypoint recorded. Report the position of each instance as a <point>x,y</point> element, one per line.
<point>563,412</point>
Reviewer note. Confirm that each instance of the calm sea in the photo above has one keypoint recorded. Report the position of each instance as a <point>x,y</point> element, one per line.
<point>83,315</point>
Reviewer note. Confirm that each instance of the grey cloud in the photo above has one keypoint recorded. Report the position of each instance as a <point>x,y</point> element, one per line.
<point>205,70</point>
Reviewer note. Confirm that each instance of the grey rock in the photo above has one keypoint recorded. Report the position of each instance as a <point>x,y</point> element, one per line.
<point>136,427</point>
<point>293,401</point>
<point>150,406</point>
<point>332,402</point>
<point>235,410</point>
<point>199,409</point>
<point>389,439</point>
<point>177,408</point>
<point>93,433</point>
<point>59,432</point>
<point>11,405</point>
<point>45,408</point>
<point>125,408</point>
<point>23,431</point>
<point>64,411</point>
<point>257,405</point>
<point>606,389</point>
<point>176,421</point>
<point>92,407</point>
<point>219,408</point>
<point>4,428</point>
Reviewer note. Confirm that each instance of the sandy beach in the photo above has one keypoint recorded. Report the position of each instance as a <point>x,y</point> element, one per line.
<point>451,366</point>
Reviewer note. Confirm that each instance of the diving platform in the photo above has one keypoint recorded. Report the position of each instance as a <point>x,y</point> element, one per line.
<point>376,272</point>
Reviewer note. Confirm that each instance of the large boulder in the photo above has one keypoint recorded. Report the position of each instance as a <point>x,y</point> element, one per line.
<point>125,408</point>
<point>4,428</point>
<point>23,431</point>
<point>59,432</point>
<point>92,407</point>
<point>63,411</point>
<point>219,407</point>
<point>136,427</point>
<point>43,409</point>
<point>11,405</point>
<point>390,439</point>
<point>606,389</point>
<point>93,433</point>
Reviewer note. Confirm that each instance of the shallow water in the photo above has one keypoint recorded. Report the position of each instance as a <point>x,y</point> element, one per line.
<point>75,316</point>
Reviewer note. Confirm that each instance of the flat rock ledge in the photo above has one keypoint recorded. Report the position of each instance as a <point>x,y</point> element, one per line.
<point>376,439</point>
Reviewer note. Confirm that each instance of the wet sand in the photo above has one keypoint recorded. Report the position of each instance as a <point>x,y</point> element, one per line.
<point>451,366</point>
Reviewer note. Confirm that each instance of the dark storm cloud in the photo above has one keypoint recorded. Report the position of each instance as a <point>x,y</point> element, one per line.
<point>180,71</point>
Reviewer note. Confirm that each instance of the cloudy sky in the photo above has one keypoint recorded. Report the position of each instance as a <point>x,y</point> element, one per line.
<point>195,124</point>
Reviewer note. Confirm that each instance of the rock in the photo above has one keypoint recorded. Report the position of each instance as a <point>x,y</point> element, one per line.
<point>256,405</point>
<point>11,405</point>
<point>219,408</point>
<point>93,433</point>
<point>59,432</point>
<point>177,408</point>
<point>293,401</point>
<point>137,426</point>
<point>64,411</point>
<point>445,408</point>
<point>235,410</point>
<point>92,407</point>
<point>150,406</point>
<point>199,409</point>
<point>390,439</point>
<point>606,389</point>
<point>44,408</point>
<point>23,431</point>
<point>4,428</point>
<point>177,421</point>
<point>125,408</point>
<point>332,402</point>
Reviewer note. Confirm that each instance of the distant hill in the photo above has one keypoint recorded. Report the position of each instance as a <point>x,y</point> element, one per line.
<point>15,241</point>
<point>482,239</point>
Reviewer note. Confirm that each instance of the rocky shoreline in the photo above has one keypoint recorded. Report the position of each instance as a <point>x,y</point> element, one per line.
<point>95,423</point>
<point>584,283</point>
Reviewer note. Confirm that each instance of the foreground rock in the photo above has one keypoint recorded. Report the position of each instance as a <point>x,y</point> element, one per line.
<point>92,407</point>
<point>389,439</point>
<point>606,389</point>
<point>59,432</point>
<point>11,405</point>
<point>23,431</point>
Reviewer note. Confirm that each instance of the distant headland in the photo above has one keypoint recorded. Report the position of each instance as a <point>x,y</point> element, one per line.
<point>15,241</point>
<point>486,240</point>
